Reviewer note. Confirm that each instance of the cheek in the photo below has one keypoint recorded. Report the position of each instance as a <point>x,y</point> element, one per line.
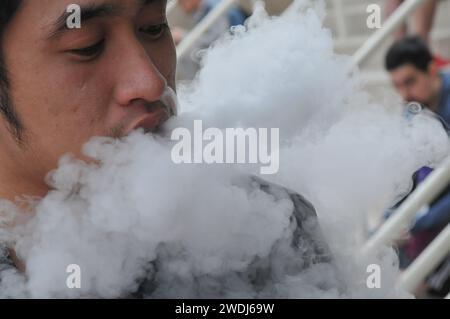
<point>79,90</point>
<point>423,89</point>
<point>163,55</point>
<point>62,101</point>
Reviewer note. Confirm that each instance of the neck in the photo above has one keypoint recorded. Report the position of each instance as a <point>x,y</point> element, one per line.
<point>16,183</point>
<point>16,188</point>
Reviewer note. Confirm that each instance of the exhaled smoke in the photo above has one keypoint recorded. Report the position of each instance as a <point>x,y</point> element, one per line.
<point>138,225</point>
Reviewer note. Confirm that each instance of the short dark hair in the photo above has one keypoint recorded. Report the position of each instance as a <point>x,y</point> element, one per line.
<point>410,50</point>
<point>8,9</point>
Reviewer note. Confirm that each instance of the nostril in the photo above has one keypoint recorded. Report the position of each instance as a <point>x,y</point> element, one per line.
<point>170,100</point>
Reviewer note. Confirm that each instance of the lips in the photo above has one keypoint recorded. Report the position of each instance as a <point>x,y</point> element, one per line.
<point>151,121</point>
<point>153,115</point>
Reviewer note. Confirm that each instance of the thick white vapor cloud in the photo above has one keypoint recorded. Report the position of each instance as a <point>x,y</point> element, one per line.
<point>209,230</point>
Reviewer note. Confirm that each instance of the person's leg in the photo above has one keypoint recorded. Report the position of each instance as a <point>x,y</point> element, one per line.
<point>424,18</point>
<point>391,6</point>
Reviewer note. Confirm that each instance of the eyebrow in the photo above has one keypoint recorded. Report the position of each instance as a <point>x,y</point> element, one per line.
<point>92,11</point>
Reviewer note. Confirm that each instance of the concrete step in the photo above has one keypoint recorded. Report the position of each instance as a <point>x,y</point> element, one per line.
<point>354,17</point>
<point>274,7</point>
<point>440,43</point>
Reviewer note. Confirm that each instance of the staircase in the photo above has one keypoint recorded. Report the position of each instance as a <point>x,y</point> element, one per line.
<point>347,21</point>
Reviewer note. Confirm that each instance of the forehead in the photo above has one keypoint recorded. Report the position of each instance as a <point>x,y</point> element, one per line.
<point>406,70</point>
<point>44,13</point>
<point>37,21</point>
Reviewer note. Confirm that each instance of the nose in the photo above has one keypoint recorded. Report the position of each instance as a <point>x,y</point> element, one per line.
<point>138,77</point>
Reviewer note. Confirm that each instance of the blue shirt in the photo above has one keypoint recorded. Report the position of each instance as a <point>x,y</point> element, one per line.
<point>444,101</point>
<point>235,15</point>
<point>438,215</point>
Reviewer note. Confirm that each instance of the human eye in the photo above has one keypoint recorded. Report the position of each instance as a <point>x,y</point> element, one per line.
<point>91,51</point>
<point>155,31</point>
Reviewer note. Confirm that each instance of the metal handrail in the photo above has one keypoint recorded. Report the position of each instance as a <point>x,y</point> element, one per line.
<point>189,41</point>
<point>427,261</point>
<point>389,26</point>
<point>425,193</point>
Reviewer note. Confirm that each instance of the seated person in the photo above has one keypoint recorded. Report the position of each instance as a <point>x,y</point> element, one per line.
<point>417,78</point>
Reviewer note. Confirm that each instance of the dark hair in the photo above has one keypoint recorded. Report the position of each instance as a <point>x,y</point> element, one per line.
<point>410,50</point>
<point>7,10</point>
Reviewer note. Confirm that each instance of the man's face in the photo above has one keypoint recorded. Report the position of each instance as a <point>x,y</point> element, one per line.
<point>68,85</point>
<point>413,84</point>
